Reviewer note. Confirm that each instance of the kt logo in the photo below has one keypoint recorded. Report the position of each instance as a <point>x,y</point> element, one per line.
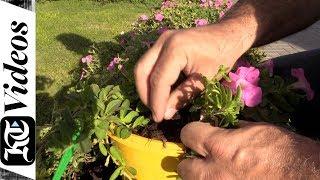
<point>17,140</point>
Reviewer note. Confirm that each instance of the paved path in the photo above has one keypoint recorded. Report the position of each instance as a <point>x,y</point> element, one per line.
<point>304,40</point>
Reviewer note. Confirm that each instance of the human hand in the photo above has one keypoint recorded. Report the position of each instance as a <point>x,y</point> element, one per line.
<point>195,52</point>
<point>253,151</point>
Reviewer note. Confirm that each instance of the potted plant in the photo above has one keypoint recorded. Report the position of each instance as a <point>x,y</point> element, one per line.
<point>103,118</point>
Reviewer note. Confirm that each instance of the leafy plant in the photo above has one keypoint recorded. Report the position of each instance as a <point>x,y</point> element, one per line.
<point>218,104</point>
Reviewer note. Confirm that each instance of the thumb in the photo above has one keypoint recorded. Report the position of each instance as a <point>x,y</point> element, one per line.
<point>183,94</point>
<point>201,137</point>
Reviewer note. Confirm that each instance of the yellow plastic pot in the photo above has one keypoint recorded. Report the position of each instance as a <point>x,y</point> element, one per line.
<point>149,157</point>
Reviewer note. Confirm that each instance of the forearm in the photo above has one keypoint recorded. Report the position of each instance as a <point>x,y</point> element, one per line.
<point>265,21</point>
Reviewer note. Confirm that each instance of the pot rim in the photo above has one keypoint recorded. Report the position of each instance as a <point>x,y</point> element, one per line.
<point>140,142</point>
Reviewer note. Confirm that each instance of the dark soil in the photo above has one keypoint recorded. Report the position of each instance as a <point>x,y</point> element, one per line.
<point>169,130</point>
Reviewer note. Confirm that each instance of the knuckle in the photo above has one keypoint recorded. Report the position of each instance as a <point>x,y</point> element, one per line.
<point>241,156</point>
<point>175,40</point>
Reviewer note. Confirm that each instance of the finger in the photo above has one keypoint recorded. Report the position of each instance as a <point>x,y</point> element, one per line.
<point>191,168</point>
<point>186,91</point>
<point>164,74</point>
<point>201,137</point>
<point>144,67</point>
<point>142,71</point>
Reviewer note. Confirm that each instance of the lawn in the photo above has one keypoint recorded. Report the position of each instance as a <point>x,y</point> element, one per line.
<point>65,31</point>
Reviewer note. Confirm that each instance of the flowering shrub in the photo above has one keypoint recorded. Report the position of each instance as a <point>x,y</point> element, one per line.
<point>104,100</point>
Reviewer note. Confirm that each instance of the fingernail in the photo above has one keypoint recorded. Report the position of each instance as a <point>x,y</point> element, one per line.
<point>154,117</point>
<point>169,113</point>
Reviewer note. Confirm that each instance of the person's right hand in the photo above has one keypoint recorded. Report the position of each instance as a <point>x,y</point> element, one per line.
<point>195,52</point>
<point>253,151</point>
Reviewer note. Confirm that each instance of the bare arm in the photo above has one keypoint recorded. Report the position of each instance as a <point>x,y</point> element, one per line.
<point>200,51</point>
<point>266,21</point>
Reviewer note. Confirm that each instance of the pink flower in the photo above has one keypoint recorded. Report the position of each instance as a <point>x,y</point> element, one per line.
<point>229,4</point>
<point>269,66</point>
<point>116,60</point>
<point>143,17</point>
<point>249,74</point>
<point>167,4</point>
<point>159,17</point>
<point>162,30</point>
<point>251,95</point>
<point>111,66</point>
<point>210,3</point>
<point>247,78</point>
<point>218,3</point>
<point>200,22</point>
<point>221,14</point>
<point>302,82</point>
<point>87,59</point>
<point>204,3</point>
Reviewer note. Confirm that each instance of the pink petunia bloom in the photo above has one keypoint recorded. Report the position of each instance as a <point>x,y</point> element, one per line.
<point>302,82</point>
<point>200,22</point>
<point>229,4</point>
<point>167,4</point>
<point>221,14</point>
<point>269,66</point>
<point>111,66</point>
<point>162,30</point>
<point>250,74</point>
<point>87,59</point>
<point>203,1</point>
<point>218,3</point>
<point>143,17</point>
<point>210,3</point>
<point>116,60</point>
<point>158,17</point>
<point>251,95</point>
<point>247,79</point>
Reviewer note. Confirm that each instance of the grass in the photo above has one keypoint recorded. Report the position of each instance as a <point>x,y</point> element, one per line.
<point>65,30</point>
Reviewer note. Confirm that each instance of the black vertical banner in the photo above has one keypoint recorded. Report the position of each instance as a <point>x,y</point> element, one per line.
<point>17,89</point>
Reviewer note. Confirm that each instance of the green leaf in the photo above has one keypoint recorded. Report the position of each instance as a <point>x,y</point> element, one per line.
<point>129,117</point>
<point>112,106</point>
<point>103,149</point>
<point>100,104</point>
<point>125,132</point>
<point>95,89</point>
<point>116,173</point>
<point>116,154</point>
<point>100,133</point>
<point>140,121</point>
<point>85,145</point>
<point>104,92</point>
<point>114,119</point>
<point>125,106</point>
<point>102,123</point>
<point>131,170</point>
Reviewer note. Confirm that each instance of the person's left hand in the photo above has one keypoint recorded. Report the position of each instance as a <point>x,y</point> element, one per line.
<point>255,150</point>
